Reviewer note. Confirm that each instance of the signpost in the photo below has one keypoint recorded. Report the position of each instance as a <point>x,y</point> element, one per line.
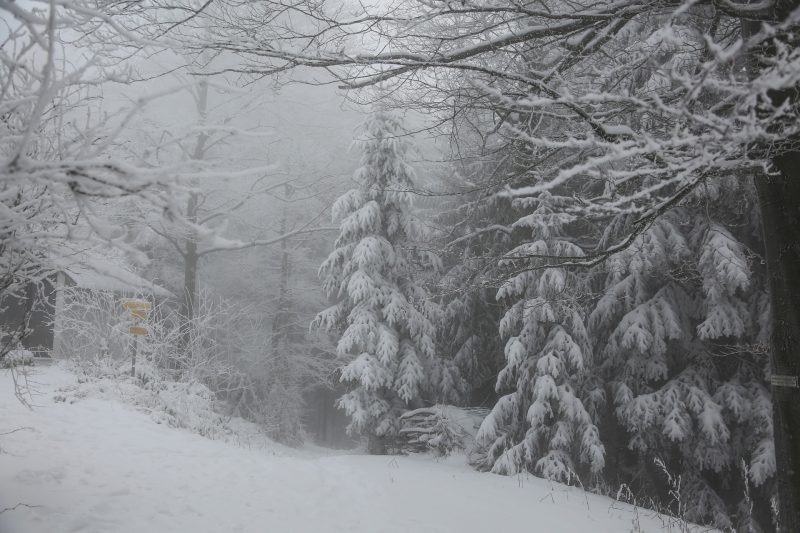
<point>139,331</point>
<point>139,310</point>
<point>784,381</point>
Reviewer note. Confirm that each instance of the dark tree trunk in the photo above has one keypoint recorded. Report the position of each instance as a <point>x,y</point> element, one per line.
<point>280,328</point>
<point>779,198</point>
<point>376,445</point>
<point>779,201</point>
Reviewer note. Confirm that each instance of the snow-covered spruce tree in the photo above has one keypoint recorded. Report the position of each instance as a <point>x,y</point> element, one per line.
<point>541,424</point>
<point>385,318</point>
<point>681,331</point>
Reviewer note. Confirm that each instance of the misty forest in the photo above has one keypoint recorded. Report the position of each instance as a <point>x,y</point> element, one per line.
<point>405,266</point>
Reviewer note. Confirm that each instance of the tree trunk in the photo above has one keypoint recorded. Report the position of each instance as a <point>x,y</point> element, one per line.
<point>376,445</point>
<point>779,199</point>
<point>191,258</point>
<point>281,320</point>
<point>779,202</point>
<point>190,261</point>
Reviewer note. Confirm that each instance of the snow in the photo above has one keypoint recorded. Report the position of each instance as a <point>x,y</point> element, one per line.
<point>617,130</point>
<point>95,464</point>
<point>90,269</point>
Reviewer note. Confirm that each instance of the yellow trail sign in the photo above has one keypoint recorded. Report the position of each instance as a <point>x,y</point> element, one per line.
<point>138,330</point>
<point>138,308</point>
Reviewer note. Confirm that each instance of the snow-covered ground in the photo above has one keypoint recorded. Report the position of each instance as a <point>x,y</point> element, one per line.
<point>96,464</point>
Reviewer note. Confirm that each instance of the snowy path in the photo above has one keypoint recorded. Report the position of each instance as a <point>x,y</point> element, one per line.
<point>101,466</point>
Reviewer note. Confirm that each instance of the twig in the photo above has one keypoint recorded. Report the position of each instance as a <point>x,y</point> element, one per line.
<point>29,506</point>
<point>15,430</point>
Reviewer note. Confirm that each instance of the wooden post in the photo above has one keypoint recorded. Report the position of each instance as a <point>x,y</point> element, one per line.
<point>133,358</point>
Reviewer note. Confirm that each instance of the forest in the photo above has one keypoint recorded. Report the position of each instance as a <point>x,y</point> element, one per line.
<point>555,240</point>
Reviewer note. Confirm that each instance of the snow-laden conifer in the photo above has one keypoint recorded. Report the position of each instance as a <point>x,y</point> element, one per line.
<point>541,424</point>
<point>383,316</point>
<point>678,331</point>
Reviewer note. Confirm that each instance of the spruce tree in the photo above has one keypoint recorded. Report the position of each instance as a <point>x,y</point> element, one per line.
<point>384,317</point>
<point>541,424</point>
<point>681,330</point>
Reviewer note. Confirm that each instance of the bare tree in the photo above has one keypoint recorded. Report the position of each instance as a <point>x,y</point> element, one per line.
<point>212,199</point>
<point>54,145</point>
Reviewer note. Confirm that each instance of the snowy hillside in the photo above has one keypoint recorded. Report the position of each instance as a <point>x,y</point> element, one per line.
<point>94,464</point>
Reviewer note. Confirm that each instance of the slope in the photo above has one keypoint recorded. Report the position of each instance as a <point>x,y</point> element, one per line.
<point>96,464</point>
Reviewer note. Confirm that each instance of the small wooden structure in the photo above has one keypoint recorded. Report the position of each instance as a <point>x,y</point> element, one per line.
<point>36,310</point>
